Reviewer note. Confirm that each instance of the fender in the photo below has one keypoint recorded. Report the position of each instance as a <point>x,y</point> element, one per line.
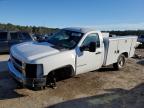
<point>72,72</point>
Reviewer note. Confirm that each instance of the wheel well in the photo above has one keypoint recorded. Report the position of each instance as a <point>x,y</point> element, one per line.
<point>63,72</point>
<point>125,54</point>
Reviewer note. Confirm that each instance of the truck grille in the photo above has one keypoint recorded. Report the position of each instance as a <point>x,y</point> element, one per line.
<point>30,70</point>
<point>17,69</point>
<point>17,61</point>
<point>17,64</point>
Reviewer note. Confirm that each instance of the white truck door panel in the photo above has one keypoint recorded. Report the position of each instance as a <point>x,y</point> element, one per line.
<point>88,61</point>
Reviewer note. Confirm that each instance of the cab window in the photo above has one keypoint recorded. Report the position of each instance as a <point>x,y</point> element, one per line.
<point>14,36</point>
<point>92,38</point>
<point>3,36</point>
<point>25,36</point>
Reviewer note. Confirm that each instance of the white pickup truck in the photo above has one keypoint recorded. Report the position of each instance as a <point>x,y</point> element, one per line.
<point>69,52</point>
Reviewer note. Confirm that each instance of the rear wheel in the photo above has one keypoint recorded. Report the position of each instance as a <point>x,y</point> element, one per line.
<point>120,63</point>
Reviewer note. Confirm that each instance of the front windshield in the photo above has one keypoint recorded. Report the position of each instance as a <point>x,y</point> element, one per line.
<point>65,39</point>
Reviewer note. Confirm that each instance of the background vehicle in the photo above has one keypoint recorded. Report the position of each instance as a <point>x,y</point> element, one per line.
<point>141,39</point>
<point>38,37</point>
<point>7,39</point>
<point>69,52</point>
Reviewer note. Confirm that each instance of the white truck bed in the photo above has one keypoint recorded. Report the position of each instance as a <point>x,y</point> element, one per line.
<point>114,46</point>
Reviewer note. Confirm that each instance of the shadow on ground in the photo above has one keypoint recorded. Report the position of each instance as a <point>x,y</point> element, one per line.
<point>116,98</point>
<point>109,68</point>
<point>7,84</point>
<point>106,69</point>
<point>7,87</point>
<point>3,61</point>
<point>141,62</point>
<point>3,66</point>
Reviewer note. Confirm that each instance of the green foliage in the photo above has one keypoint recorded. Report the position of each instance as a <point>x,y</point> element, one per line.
<point>30,29</point>
<point>45,30</point>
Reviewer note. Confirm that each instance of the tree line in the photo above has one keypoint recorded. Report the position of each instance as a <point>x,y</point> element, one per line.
<point>46,30</point>
<point>29,29</point>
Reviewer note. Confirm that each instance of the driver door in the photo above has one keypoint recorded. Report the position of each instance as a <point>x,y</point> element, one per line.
<point>89,61</point>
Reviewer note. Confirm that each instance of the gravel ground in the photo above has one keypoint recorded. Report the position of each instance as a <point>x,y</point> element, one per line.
<point>104,88</point>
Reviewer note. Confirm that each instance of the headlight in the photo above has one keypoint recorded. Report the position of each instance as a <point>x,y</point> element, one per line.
<point>39,70</point>
<point>31,70</point>
<point>34,70</point>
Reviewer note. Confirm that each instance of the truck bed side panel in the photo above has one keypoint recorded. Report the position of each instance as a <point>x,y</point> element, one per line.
<point>124,45</point>
<point>110,48</point>
<point>116,46</point>
<point>132,49</point>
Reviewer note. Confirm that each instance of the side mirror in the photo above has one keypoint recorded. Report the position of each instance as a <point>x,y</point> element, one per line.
<point>91,47</point>
<point>84,48</point>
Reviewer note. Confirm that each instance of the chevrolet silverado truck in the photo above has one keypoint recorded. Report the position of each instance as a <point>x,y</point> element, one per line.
<point>69,52</point>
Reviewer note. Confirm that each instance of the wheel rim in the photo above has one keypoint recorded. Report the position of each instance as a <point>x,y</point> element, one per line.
<point>121,62</point>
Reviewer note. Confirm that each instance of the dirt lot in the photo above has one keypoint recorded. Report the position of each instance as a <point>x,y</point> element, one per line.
<point>104,88</point>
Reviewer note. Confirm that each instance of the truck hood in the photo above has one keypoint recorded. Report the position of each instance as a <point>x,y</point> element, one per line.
<point>33,50</point>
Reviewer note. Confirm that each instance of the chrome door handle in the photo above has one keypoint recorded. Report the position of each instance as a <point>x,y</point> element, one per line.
<point>98,52</point>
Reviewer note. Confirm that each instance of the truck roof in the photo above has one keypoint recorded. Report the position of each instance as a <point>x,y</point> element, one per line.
<point>80,29</point>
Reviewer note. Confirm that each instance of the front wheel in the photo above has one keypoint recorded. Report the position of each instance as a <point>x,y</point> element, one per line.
<point>120,63</point>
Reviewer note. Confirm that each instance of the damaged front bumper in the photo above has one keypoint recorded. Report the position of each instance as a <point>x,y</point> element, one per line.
<point>21,78</point>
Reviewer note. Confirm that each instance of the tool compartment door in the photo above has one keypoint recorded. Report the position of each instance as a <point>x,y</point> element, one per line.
<point>124,45</point>
<point>111,52</point>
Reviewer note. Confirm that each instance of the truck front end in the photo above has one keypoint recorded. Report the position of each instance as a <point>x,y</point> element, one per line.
<point>23,65</point>
<point>25,73</point>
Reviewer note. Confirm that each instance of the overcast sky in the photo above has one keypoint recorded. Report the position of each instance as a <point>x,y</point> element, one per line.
<point>101,14</point>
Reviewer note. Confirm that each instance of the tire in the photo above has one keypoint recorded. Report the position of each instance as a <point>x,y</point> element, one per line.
<point>120,62</point>
<point>19,85</point>
<point>38,88</point>
<point>51,79</point>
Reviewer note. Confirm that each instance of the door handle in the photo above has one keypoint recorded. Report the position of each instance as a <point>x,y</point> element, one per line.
<point>98,52</point>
